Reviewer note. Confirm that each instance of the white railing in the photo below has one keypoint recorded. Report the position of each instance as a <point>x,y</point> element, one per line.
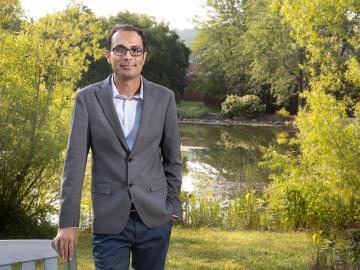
<point>28,252</point>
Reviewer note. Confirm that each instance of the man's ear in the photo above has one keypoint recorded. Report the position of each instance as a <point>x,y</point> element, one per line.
<point>107,55</point>
<point>145,54</point>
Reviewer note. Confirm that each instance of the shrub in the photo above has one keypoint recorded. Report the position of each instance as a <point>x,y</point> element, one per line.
<point>246,106</point>
<point>227,107</point>
<point>318,187</point>
<point>283,112</point>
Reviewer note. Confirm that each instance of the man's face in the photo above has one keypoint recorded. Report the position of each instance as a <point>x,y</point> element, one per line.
<point>126,67</point>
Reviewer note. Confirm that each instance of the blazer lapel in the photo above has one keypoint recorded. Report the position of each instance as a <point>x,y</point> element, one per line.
<point>105,97</point>
<point>149,104</point>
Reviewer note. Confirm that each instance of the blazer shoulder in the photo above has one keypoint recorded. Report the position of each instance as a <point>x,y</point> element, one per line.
<point>90,89</point>
<point>159,88</point>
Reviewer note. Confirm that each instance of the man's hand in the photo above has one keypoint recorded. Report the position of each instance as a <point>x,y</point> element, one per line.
<point>64,242</point>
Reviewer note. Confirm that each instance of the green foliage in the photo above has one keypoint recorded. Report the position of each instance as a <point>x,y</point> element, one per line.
<point>209,79</point>
<point>10,12</point>
<point>228,106</point>
<point>334,251</point>
<point>245,106</point>
<point>328,32</point>
<point>192,109</point>
<point>168,58</point>
<point>283,113</point>
<point>318,187</point>
<point>275,58</point>
<point>219,52</point>
<point>243,212</point>
<point>20,226</point>
<point>39,68</point>
<point>200,211</point>
<point>275,48</point>
<point>244,48</point>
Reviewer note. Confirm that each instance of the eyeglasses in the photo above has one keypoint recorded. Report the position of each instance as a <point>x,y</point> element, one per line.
<point>121,51</point>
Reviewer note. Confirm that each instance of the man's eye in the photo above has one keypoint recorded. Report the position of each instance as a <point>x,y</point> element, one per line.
<point>136,50</point>
<point>119,49</point>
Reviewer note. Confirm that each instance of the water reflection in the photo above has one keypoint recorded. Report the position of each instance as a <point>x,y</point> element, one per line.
<point>224,160</point>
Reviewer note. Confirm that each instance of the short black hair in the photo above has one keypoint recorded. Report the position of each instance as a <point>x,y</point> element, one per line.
<point>129,28</point>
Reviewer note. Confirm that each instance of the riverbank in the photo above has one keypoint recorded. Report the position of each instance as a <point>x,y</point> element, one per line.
<point>219,119</point>
<point>217,249</point>
<point>192,112</point>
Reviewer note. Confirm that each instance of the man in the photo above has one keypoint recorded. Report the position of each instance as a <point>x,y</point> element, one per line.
<point>131,126</point>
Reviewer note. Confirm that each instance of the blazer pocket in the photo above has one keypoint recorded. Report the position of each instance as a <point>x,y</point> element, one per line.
<point>157,184</point>
<point>101,188</point>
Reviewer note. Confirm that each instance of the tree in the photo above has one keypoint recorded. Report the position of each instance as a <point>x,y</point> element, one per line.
<point>209,79</point>
<point>218,50</point>
<point>10,13</point>
<point>328,31</point>
<point>318,187</point>
<point>39,68</point>
<point>243,48</point>
<point>271,48</point>
<point>276,60</point>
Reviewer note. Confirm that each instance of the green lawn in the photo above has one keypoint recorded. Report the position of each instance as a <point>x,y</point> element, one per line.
<point>193,109</point>
<point>218,249</point>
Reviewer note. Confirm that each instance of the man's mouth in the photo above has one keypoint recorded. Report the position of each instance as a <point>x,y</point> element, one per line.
<point>127,65</point>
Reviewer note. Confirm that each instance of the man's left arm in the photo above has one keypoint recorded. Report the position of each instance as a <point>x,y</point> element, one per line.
<point>171,155</point>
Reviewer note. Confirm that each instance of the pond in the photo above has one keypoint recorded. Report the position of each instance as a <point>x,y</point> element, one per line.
<point>223,160</point>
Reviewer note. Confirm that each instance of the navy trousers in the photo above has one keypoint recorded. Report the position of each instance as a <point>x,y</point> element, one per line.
<point>148,247</point>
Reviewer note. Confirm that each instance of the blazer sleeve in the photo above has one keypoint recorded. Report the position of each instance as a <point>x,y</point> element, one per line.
<point>75,165</point>
<point>170,152</point>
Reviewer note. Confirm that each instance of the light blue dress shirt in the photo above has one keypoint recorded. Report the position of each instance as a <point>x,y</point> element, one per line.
<point>129,111</point>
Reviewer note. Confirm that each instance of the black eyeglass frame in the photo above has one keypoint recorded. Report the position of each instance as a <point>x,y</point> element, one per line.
<point>132,51</point>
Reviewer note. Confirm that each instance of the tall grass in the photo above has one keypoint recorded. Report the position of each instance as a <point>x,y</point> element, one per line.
<point>246,211</point>
<point>249,211</point>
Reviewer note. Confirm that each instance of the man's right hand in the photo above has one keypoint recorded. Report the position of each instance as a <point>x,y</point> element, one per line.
<point>64,242</point>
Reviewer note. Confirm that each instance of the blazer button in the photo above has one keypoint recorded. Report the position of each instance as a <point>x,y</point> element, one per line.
<point>130,159</point>
<point>131,185</point>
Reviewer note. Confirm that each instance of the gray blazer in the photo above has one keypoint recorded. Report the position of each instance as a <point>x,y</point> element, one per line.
<point>150,173</point>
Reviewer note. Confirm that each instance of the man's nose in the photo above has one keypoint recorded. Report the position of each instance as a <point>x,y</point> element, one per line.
<point>127,54</point>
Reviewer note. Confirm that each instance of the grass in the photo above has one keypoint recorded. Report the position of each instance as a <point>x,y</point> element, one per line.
<point>211,249</point>
<point>193,109</point>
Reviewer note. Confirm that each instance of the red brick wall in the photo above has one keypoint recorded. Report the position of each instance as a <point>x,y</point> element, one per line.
<point>212,102</point>
<point>192,96</point>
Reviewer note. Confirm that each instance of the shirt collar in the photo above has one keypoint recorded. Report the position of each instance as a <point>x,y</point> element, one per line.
<point>138,94</point>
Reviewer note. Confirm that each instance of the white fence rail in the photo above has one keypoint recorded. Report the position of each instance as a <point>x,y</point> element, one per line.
<point>27,252</point>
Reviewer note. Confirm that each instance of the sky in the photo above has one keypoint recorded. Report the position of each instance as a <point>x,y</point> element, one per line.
<point>178,13</point>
